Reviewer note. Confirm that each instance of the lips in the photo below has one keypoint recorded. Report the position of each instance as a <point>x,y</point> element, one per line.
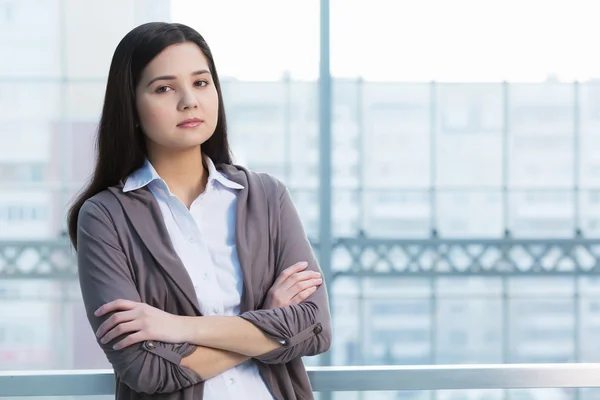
<point>190,123</point>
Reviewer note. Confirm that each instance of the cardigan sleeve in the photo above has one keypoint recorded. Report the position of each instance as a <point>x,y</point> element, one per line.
<point>148,367</point>
<point>303,329</point>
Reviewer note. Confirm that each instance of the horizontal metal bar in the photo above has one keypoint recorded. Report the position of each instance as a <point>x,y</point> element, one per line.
<point>442,377</point>
<point>60,243</point>
<point>471,189</point>
<point>56,383</point>
<point>514,273</point>
<point>439,241</point>
<point>372,241</point>
<point>334,379</point>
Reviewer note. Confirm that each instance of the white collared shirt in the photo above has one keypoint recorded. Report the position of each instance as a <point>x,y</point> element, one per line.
<point>204,240</point>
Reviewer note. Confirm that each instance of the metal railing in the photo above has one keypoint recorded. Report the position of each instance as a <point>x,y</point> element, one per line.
<point>334,379</point>
<point>364,256</point>
<point>505,259</point>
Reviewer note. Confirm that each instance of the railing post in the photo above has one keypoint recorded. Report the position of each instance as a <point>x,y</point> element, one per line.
<point>577,220</point>
<point>432,158</point>
<point>325,234</point>
<point>287,122</point>
<point>505,157</point>
<point>576,160</point>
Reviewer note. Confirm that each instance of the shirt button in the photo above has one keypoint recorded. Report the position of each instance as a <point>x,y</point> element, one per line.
<point>191,239</point>
<point>231,381</point>
<point>205,276</point>
<point>215,311</point>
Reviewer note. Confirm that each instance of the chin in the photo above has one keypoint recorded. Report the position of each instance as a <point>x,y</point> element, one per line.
<point>191,139</point>
<point>183,140</point>
<point>190,144</point>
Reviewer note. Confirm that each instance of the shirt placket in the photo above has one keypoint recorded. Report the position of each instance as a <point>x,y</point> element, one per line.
<point>206,285</point>
<point>231,378</point>
<point>210,299</point>
<point>233,382</point>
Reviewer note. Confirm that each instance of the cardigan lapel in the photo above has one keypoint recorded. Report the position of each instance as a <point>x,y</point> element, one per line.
<point>241,219</point>
<point>245,226</point>
<point>145,216</point>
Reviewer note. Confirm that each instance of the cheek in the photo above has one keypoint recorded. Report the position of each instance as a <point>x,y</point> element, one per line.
<point>154,120</point>
<point>213,105</point>
<point>148,112</point>
<point>152,114</point>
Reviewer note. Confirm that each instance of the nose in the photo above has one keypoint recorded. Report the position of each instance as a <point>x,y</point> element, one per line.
<point>188,101</point>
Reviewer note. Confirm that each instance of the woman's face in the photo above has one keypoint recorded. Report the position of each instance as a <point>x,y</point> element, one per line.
<point>176,99</point>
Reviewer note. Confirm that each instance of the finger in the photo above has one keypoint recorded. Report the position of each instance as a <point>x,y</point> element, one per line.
<point>303,295</point>
<point>114,320</point>
<point>303,285</point>
<point>121,329</point>
<point>129,340</point>
<point>299,277</point>
<point>120,304</point>
<point>286,273</point>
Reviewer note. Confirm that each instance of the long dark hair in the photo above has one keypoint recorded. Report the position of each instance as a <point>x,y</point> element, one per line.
<point>120,146</point>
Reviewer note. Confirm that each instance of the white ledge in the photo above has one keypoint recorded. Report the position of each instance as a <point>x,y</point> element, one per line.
<point>332,379</point>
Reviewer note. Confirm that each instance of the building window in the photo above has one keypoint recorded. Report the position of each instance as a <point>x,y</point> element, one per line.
<point>22,172</point>
<point>13,213</point>
<point>37,173</point>
<point>594,197</point>
<point>8,12</point>
<point>259,114</point>
<point>458,338</point>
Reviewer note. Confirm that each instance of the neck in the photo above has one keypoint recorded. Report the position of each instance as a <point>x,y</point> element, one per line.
<point>183,171</point>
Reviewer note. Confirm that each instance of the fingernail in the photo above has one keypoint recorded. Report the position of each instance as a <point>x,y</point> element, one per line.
<point>303,263</point>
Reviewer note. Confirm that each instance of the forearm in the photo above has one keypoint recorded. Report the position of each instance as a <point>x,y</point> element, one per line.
<point>230,333</point>
<point>208,362</point>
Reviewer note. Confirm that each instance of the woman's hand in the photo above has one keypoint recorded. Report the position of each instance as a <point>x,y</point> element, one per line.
<point>292,286</point>
<point>141,322</point>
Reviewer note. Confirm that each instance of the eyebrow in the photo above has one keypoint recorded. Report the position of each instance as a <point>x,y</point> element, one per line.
<point>173,77</point>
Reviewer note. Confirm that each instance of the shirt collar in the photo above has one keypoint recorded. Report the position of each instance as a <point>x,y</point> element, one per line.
<point>214,174</point>
<point>146,174</point>
<point>141,177</point>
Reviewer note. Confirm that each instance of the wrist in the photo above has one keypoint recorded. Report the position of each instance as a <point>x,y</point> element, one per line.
<point>189,329</point>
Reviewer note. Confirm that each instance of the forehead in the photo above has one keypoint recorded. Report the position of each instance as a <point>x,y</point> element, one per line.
<point>177,59</point>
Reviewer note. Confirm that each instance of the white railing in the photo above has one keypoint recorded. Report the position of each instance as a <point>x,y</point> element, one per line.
<point>333,379</point>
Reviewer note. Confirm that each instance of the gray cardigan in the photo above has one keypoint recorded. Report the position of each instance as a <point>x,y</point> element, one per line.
<point>124,251</point>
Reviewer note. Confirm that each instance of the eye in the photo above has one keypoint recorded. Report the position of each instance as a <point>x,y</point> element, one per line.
<point>201,83</point>
<point>162,89</point>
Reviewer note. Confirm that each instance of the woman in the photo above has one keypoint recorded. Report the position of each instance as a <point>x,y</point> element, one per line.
<point>196,274</point>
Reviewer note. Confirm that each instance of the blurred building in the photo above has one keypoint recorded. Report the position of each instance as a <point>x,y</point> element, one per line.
<point>465,160</point>
<point>392,144</point>
<point>51,94</point>
<point>51,90</point>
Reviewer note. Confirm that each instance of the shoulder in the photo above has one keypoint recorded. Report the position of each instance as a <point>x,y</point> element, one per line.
<point>256,182</point>
<point>102,205</point>
<point>272,186</point>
